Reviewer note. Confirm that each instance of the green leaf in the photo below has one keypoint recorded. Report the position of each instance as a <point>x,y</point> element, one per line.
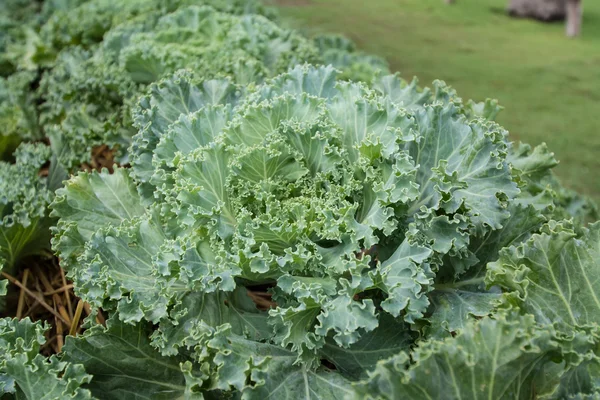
<point>391,337</point>
<point>581,382</point>
<point>123,363</point>
<point>364,120</point>
<point>119,269</point>
<point>20,336</point>
<point>405,278</point>
<point>454,303</point>
<point>488,109</point>
<point>318,306</point>
<point>89,202</point>
<point>406,95</point>
<point>184,328</point>
<point>490,359</point>
<point>555,275</point>
<point>319,82</point>
<point>18,242</point>
<point>201,185</point>
<point>523,222</point>
<point>202,269</point>
<point>533,165</point>
<point>289,382</point>
<point>532,168</point>
<point>262,370</point>
<point>191,131</point>
<point>256,121</point>
<point>458,297</point>
<point>462,166</point>
<point>28,374</point>
<point>167,100</point>
<point>42,379</point>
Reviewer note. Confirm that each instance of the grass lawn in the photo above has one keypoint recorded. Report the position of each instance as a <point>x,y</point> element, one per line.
<point>548,84</point>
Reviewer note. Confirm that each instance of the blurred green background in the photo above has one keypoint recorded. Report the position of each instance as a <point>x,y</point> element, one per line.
<point>549,84</point>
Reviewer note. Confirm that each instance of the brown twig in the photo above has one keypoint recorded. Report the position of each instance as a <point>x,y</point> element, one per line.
<point>262,300</point>
<point>42,277</point>
<point>67,295</point>
<point>42,302</point>
<point>60,340</point>
<point>21,302</point>
<point>32,308</point>
<point>76,317</point>
<point>65,288</point>
<point>100,318</point>
<point>61,308</point>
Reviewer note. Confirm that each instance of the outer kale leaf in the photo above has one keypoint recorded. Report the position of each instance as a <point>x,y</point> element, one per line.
<point>540,187</point>
<point>504,357</point>
<point>456,298</point>
<point>259,370</point>
<point>88,202</point>
<point>411,96</point>
<point>462,166</point>
<point>554,275</point>
<point>214,309</point>
<point>124,365</point>
<point>391,337</point>
<point>27,374</point>
<point>582,382</point>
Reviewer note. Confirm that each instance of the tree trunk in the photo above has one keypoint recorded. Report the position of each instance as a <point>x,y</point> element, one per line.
<point>543,10</point>
<point>574,17</point>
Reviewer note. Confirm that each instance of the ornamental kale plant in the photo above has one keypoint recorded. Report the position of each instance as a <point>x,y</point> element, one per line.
<point>397,232</point>
<point>88,95</point>
<point>284,230</point>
